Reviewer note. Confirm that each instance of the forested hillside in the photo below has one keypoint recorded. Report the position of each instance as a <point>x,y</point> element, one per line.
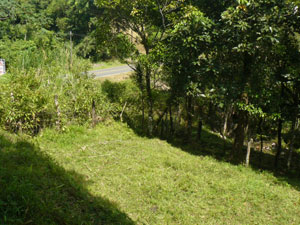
<point>217,79</point>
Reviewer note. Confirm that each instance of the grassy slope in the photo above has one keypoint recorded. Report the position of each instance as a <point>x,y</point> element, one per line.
<point>36,190</point>
<point>155,183</point>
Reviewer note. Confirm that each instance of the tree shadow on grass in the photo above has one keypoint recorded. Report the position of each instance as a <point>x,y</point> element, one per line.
<point>35,190</point>
<point>214,146</point>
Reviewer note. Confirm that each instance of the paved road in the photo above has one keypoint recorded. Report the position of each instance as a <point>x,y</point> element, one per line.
<point>111,71</point>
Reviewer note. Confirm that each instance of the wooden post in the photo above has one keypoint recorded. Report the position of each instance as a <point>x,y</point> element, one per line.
<point>123,109</point>
<point>58,121</point>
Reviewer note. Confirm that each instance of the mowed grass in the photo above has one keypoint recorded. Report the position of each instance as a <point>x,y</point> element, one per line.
<point>34,189</point>
<point>153,182</point>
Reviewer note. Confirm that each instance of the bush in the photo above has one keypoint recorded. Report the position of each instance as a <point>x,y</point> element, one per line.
<point>125,97</point>
<point>48,93</point>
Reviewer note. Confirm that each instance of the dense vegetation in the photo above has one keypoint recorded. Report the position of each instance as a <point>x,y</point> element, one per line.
<point>231,65</point>
<point>217,78</point>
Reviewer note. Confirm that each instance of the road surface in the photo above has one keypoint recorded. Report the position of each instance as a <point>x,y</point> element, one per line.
<point>111,71</point>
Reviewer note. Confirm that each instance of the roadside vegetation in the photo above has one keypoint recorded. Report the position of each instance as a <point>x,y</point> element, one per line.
<point>205,130</point>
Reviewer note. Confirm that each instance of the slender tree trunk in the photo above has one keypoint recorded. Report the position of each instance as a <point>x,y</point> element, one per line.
<point>225,125</point>
<point>199,132</point>
<point>160,119</point>
<point>279,145</point>
<point>162,128</point>
<point>249,145</point>
<point>166,125</point>
<point>261,143</point>
<point>177,118</point>
<point>189,116</point>
<point>171,121</point>
<point>293,129</point>
<point>150,101</point>
<point>291,144</point>
<point>240,133</point>
<point>227,116</point>
<point>139,74</point>
<point>279,128</point>
<point>143,112</point>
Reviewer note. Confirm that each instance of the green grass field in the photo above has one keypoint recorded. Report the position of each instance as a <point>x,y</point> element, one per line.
<point>109,175</point>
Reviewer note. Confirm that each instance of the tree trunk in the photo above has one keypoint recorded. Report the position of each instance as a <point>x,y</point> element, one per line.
<point>249,145</point>
<point>171,121</point>
<point>139,74</point>
<point>143,112</point>
<point>228,113</point>
<point>261,150</point>
<point>259,131</point>
<point>166,125</point>
<point>177,118</point>
<point>189,116</point>
<point>240,133</point>
<point>279,129</point>
<point>279,145</point>
<point>225,125</point>
<point>160,119</point>
<point>162,128</point>
<point>199,132</point>
<point>291,144</point>
<point>150,101</point>
<point>243,115</point>
<point>293,129</point>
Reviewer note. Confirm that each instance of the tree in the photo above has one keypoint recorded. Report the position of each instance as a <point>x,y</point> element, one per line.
<point>144,21</point>
<point>185,54</point>
<point>248,32</point>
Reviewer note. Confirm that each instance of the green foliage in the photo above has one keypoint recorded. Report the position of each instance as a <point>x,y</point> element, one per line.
<point>43,21</point>
<point>185,53</point>
<point>17,52</point>
<point>124,96</point>
<point>25,104</point>
<point>28,94</point>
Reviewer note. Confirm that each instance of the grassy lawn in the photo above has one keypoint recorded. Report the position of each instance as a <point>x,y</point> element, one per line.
<point>155,183</point>
<point>109,175</point>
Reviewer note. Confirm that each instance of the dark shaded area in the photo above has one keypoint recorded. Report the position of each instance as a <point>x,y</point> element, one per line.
<point>35,190</point>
